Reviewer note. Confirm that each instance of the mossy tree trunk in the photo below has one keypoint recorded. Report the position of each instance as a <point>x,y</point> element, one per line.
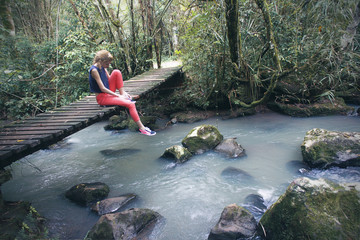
<point>242,71</point>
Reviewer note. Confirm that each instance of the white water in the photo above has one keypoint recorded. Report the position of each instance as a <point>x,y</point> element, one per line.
<point>190,196</point>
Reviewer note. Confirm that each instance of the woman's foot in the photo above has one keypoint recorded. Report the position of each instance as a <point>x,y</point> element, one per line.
<point>147,131</point>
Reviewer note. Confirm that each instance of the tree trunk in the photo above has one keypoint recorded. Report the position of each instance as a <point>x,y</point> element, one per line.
<point>133,58</point>
<point>232,23</point>
<point>6,17</point>
<point>146,15</point>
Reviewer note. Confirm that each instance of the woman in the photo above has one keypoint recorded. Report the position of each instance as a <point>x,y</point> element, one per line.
<point>105,86</point>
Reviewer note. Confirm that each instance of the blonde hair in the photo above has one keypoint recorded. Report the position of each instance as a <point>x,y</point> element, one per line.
<point>102,56</point>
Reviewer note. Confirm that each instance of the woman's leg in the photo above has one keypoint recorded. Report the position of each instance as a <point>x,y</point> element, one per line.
<point>107,99</point>
<point>116,81</point>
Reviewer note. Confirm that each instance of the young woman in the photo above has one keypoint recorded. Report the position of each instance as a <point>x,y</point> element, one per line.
<point>105,86</point>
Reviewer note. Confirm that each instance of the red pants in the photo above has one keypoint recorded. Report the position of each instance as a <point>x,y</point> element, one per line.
<point>116,82</point>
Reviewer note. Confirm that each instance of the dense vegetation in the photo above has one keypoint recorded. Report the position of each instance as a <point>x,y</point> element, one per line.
<point>236,53</point>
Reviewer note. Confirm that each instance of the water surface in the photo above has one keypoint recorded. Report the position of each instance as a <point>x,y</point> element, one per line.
<point>190,196</point>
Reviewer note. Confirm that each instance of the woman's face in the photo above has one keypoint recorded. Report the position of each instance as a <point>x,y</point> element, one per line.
<point>106,63</point>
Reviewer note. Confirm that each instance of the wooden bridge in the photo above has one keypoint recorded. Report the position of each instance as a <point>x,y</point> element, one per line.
<point>25,137</point>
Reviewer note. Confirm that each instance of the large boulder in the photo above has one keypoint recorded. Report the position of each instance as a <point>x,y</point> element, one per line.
<point>230,148</point>
<point>178,153</point>
<point>322,148</point>
<point>134,223</point>
<point>314,209</point>
<point>111,205</point>
<point>86,193</point>
<point>202,138</point>
<point>235,223</point>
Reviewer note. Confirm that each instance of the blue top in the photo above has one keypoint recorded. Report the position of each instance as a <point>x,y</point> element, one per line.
<point>94,87</point>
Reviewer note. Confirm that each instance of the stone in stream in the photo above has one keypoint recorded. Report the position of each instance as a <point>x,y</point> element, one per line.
<point>231,148</point>
<point>135,223</point>
<point>119,152</point>
<point>86,193</point>
<point>178,153</point>
<point>111,205</point>
<point>255,204</point>
<point>237,175</point>
<point>323,149</point>
<point>202,138</point>
<point>314,209</point>
<point>235,223</point>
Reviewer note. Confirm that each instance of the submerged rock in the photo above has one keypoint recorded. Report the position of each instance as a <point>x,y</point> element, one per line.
<point>236,174</point>
<point>322,148</point>
<point>177,152</point>
<point>235,223</point>
<point>314,209</point>
<point>255,204</point>
<point>119,152</point>
<point>85,193</point>
<point>231,148</point>
<point>112,205</point>
<point>202,138</point>
<point>134,223</point>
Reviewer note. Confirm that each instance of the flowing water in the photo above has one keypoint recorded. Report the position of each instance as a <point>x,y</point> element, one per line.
<point>190,196</point>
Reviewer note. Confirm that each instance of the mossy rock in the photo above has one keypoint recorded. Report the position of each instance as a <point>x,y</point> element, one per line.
<point>135,223</point>
<point>322,148</point>
<point>86,193</point>
<point>177,152</point>
<point>314,209</point>
<point>202,138</point>
<point>320,108</point>
<point>117,122</point>
<point>235,223</point>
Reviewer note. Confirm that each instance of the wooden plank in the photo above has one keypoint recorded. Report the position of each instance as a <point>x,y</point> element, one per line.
<point>41,137</point>
<point>5,154</point>
<point>55,133</point>
<point>31,143</point>
<point>14,148</point>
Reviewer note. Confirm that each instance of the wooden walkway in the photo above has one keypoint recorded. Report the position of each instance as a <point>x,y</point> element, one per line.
<point>25,137</point>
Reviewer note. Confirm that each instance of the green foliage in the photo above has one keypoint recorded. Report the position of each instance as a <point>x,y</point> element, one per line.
<point>312,53</point>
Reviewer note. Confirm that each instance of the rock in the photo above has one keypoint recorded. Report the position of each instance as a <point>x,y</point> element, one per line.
<point>322,148</point>
<point>255,204</point>
<point>130,224</point>
<point>235,223</point>
<point>231,148</point>
<point>86,193</point>
<point>112,205</point>
<point>236,174</point>
<point>119,152</point>
<point>177,152</point>
<point>117,122</point>
<point>321,108</point>
<point>192,116</point>
<point>314,209</point>
<point>202,138</point>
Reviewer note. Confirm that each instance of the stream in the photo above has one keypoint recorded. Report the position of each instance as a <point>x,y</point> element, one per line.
<point>190,196</point>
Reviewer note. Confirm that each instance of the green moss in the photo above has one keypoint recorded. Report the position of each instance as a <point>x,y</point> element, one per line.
<point>305,213</point>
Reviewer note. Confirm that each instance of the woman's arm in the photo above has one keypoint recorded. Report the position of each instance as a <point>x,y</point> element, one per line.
<point>95,74</point>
